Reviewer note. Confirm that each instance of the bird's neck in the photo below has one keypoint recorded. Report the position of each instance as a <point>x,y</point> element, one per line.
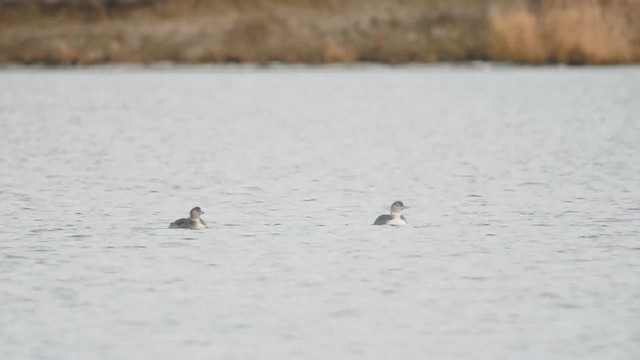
<point>395,215</point>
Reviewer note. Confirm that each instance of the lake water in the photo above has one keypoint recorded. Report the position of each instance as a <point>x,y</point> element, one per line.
<point>524,228</point>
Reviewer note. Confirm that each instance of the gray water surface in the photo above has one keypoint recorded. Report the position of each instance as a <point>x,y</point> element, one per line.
<point>524,228</point>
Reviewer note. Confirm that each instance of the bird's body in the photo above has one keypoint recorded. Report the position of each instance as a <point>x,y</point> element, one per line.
<point>390,220</point>
<point>394,218</point>
<point>192,222</point>
<point>185,223</point>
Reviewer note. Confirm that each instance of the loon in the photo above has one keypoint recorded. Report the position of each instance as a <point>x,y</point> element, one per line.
<point>395,218</point>
<point>193,222</point>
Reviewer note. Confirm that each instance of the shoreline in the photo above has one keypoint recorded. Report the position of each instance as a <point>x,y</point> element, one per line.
<point>285,67</point>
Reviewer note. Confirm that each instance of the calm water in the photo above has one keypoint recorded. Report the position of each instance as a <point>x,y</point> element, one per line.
<point>524,235</point>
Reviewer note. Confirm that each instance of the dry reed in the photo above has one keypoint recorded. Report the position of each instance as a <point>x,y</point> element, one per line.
<point>572,32</point>
<point>309,31</point>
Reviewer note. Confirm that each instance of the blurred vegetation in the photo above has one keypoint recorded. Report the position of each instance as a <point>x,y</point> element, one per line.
<point>319,31</point>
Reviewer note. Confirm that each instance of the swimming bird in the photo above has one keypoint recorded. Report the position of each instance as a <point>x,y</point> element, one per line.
<point>395,218</point>
<point>193,222</point>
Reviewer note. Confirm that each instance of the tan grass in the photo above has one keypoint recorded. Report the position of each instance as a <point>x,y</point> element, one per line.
<point>516,35</point>
<point>258,31</point>
<point>311,31</point>
<point>574,32</point>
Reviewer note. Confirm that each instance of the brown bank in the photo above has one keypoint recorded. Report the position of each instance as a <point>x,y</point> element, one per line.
<point>313,31</point>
